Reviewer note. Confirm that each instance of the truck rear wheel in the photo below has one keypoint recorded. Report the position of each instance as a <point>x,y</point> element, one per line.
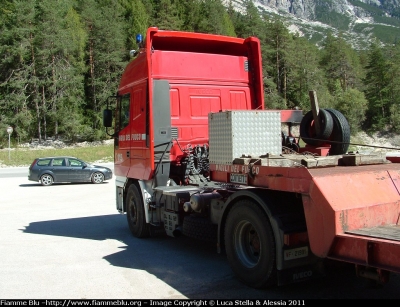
<point>135,213</point>
<point>250,245</point>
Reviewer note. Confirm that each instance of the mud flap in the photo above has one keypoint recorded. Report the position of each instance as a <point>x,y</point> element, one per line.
<point>302,273</point>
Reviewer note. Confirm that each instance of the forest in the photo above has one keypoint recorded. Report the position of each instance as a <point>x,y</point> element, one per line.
<point>61,59</point>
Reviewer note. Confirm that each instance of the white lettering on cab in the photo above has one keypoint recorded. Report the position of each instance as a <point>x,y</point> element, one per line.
<point>136,137</point>
<point>132,137</point>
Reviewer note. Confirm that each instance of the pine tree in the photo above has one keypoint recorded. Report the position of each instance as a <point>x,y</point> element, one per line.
<point>376,88</point>
<point>341,63</point>
<point>238,20</point>
<point>137,19</point>
<point>106,55</point>
<point>167,15</point>
<point>304,74</point>
<point>394,86</point>
<point>253,25</point>
<point>215,19</point>
<point>277,40</point>
<point>72,95</point>
<point>17,70</point>
<point>59,47</point>
<point>353,105</point>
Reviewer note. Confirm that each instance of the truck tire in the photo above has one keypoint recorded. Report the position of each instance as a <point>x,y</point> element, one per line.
<point>135,213</point>
<point>200,228</point>
<point>250,245</point>
<point>307,129</point>
<point>340,133</point>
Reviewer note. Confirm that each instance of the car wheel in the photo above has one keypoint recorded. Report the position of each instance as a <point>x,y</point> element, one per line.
<point>250,245</point>
<point>135,213</point>
<point>46,180</point>
<point>97,177</point>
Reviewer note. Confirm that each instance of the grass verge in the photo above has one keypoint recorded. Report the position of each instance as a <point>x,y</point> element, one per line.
<point>25,156</point>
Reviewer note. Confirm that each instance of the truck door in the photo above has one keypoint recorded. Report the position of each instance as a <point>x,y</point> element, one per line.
<point>139,140</point>
<point>122,142</point>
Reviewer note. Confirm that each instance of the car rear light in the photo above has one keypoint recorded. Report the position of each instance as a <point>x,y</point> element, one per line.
<point>33,163</point>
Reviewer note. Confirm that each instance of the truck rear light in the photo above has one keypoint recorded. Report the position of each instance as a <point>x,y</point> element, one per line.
<point>295,239</point>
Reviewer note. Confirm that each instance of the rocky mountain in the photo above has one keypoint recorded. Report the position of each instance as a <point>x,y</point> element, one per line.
<point>357,20</point>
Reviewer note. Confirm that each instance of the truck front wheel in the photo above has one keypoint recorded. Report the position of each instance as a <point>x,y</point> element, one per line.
<point>135,213</point>
<point>250,245</point>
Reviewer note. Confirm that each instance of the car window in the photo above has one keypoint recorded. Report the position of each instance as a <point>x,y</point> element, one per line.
<point>59,162</point>
<point>75,163</point>
<point>44,162</point>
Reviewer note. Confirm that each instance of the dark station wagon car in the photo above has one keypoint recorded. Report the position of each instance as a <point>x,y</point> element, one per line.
<point>66,169</point>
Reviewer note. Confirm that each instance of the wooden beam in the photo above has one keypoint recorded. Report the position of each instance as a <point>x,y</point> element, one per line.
<point>315,110</point>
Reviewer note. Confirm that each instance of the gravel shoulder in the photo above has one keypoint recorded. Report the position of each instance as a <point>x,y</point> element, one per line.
<point>377,142</point>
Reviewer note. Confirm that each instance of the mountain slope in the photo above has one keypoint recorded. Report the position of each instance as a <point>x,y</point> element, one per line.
<point>358,20</point>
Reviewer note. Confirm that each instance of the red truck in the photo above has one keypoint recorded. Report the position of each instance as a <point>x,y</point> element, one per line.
<point>197,154</point>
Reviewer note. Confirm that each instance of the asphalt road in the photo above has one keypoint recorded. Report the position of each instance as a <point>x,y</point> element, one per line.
<point>68,241</point>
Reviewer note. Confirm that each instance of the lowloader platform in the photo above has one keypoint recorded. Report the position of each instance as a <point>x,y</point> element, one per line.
<point>351,203</point>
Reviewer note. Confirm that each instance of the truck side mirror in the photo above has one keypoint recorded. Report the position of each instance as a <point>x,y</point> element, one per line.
<point>107,118</point>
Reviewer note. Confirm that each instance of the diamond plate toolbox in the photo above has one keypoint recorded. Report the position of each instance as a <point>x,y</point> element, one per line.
<point>236,133</point>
